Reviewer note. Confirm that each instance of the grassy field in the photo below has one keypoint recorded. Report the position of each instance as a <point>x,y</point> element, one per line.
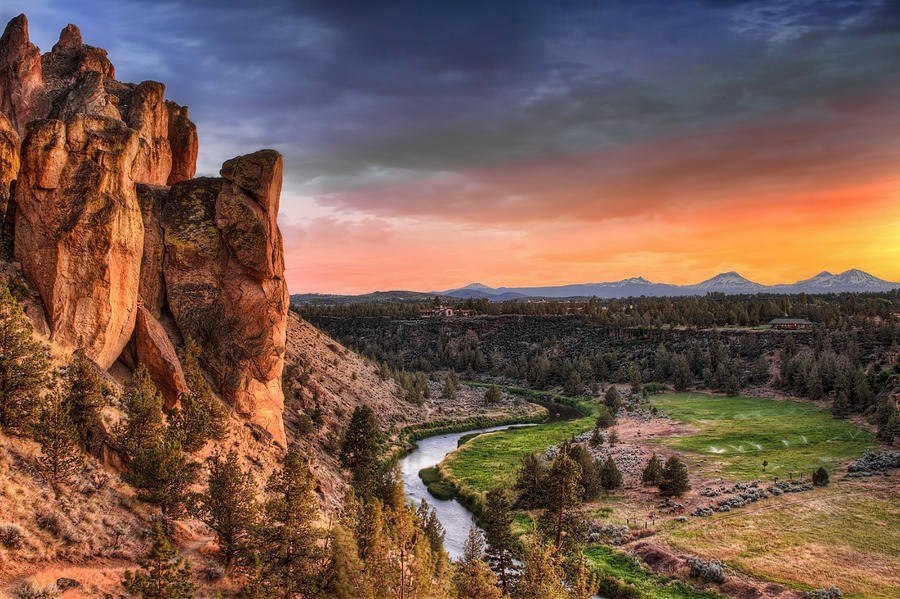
<point>491,460</point>
<point>734,435</point>
<point>846,534</point>
<point>629,572</point>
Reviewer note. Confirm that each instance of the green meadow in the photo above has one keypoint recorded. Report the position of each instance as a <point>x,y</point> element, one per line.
<point>491,460</point>
<point>733,436</point>
<point>622,575</point>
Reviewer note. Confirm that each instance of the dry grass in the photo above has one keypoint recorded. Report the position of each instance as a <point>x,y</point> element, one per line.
<point>846,534</point>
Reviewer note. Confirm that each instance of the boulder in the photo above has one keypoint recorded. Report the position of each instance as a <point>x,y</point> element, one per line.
<point>78,230</point>
<point>154,349</point>
<point>183,143</point>
<point>223,269</point>
<point>21,76</point>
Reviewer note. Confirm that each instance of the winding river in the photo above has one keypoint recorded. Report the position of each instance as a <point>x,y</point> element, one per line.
<point>453,515</point>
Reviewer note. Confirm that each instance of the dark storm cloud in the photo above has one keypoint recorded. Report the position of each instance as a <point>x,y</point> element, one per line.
<point>354,92</point>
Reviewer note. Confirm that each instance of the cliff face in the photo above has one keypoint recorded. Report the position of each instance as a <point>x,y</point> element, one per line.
<point>85,168</point>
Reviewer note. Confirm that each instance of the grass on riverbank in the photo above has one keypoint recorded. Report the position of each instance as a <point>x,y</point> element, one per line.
<point>734,435</point>
<point>624,576</point>
<point>492,459</point>
<point>437,486</point>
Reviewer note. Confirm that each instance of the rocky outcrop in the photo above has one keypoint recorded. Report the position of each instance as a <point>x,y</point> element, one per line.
<point>154,350</point>
<point>78,230</point>
<point>183,143</point>
<point>223,269</point>
<point>21,78</point>
<point>113,252</point>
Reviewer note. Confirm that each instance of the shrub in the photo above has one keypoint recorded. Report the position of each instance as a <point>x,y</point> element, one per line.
<point>829,593</point>
<point>11,535</point>
<point>31,590</point>
<point>617,589</point>
<point>820,477</point>
<point>712,571</point>
<point>493,395</point>
<point>50,521</point>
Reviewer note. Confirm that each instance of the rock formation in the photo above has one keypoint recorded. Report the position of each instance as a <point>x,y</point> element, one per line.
<point>113,251</point>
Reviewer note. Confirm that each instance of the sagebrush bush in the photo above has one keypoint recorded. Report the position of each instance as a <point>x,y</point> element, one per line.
<point>11,535</point>
<point>31,590</point>
<point>829,593</point>
<point>712,571</point>
<point>50,521</point>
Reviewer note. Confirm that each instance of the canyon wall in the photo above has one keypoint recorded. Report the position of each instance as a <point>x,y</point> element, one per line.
<point>130,254</point>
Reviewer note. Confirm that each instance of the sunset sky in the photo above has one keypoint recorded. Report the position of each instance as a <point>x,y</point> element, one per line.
<point>432,144</point>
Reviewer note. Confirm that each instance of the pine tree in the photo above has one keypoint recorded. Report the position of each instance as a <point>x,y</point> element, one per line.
<point>674,479</point>
<point>432,526</point>
<point>502,547</point>
<point>473,578</point>
<point>165,576</point>
<point>562,521</point>
<point>605,418</point>
<point>583,581</point>
<point>361,449</point>
<point>86,400</point>
<point>610,477</point>
<point>344,576</point>
<point>54,430</point>
<point>288,536</point>
<point>682,377</point>
<point>530,481</point>
<point>542,573</point>
<point>201,416</point>
<point>23,366</point>
<point>143,425</point>
<point>229,506</point>
<point>652,474</point>
<point>162,474</point>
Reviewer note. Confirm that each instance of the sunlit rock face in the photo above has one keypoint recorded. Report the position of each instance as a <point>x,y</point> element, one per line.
<point>114,252</point>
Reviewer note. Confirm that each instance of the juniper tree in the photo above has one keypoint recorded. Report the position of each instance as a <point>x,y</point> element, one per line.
<point>493,395</point>
<point>288,535</point>
<point>23,366</point>
<point>143,405</point>
<point>60,456</point>
<point>473,578</point>
<point>610,477</point>
<point>612,400</point>
<point>201,416</point>
<point>652,474</point>
<point>451,385</point>
<point>542,573</point>
<point>165,575</point>
<point>674,480</point>
<point>820,477</point>
<point>228,506</point>
<point>682,377</point>
<point>86,399</point>
<point>162,474</point>
<point>590,475</point>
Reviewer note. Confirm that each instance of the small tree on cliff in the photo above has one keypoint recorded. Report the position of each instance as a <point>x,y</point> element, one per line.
<point>361,450</point>
<point>229,506</point>
<point>143,405</point>
<point>60,458</point>
<point>165,576</point>
<point>162,475</point>
<point>23,365</point>
<point>201,416</point>
<point>288,536</point>
<point>86,399</point>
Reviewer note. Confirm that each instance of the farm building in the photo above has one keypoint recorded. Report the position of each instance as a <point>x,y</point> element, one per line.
<point>790,324</point>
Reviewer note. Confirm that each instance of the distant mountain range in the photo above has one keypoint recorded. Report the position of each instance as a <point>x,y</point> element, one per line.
<point>850,281</point>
